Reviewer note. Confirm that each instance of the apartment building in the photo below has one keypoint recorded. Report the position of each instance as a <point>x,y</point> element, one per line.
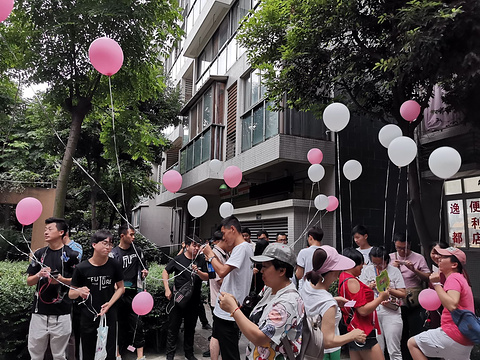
<point>226,117</point>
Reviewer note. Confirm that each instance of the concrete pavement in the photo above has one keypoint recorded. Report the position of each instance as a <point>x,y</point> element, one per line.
<point>200,344</point>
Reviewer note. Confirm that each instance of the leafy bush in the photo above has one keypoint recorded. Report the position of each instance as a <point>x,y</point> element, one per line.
<point>156,322</point>
<point>16,299</point>
<point>9,252</point>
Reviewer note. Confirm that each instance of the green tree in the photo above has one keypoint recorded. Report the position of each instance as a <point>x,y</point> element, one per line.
<point>58,34</point>
<point>371,54</point>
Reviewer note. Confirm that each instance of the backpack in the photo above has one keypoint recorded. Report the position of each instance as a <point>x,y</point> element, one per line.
<point>468,324</point>
<point>312,340</point>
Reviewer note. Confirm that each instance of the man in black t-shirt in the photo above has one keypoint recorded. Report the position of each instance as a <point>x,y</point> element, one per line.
<point>99,281</point>
<point>130,325</point>
<point>184,266</point>
<point>51,267</point>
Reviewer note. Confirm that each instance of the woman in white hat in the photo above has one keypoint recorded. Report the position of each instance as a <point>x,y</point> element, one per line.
<point>327,264</point>
<point>278,314</point>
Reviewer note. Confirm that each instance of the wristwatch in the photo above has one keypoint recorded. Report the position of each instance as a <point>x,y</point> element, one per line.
<point>210,258</point>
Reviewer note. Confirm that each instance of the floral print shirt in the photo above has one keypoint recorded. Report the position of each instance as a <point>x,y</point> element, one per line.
<point>277,316</point>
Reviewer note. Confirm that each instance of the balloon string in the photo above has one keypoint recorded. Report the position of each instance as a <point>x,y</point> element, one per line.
<point>350,197</point>
<point>385,205</point>
<point>310,203</point>
<point>337,138</point>
<point>28,245</point>
<point>440,213</point>
<point>115,146</point>
<point>407,207</point>
<point>305,230</point>
<point>396,202</point>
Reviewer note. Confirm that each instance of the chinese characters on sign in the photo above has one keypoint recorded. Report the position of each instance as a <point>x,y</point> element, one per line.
<point>456,226</point>
<point>473,216</point>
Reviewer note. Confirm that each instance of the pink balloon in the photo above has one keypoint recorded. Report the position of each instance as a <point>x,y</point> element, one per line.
<point>315,156</point>
<point>232,176</point>
<point>410,110</point>
<point>28,210</point>
<point>106,56</point>
<point>6,7</point>
<point>172,180</point>
<point>142,303</point>
<point>332,203</point>
<point>429,299</point>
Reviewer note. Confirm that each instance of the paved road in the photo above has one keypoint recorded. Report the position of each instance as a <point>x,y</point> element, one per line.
<point>200,345</point>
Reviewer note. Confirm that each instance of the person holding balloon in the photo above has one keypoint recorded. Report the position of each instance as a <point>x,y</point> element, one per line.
<point>99,282</point>
<point>360,313</point>
<point>446,341</point>
<point>326,266</point>
<point>130,257</point>
<point>388,312</point>
<point>50,270</point>
<point>188,266</point>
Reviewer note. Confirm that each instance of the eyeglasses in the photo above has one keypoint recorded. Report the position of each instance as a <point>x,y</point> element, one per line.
<point>401,248</point>
<point>106,243</point>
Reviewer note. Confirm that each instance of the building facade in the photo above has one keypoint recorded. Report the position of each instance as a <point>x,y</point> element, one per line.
<point>226,117</point>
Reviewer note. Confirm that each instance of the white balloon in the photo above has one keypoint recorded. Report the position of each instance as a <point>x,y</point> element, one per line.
<point>225,209</point>
<point>402,150</point>
<point>316,172</point>
<point>197,206</point>
<point>336,116</point>
<point>444,162</point>
<point>388,133</point>
<point>321,202</point>
<point>215,165</point>
<point>352,169</point>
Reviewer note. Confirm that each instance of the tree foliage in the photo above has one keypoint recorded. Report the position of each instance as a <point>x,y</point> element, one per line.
<point>376,54</point>
<point>54,36</point>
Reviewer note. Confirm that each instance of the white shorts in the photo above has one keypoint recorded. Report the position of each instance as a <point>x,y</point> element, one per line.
<point>435,343</point>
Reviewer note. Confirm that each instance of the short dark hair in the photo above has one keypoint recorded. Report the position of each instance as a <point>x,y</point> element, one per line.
<point>360,229</point>
<point>318,259</point>
<point>400,237</point>
<point>281,234</point>
<point>380,252</point>
<point>262,232</point>
<point>123,229</point>
<point>278,264</point>
<point>217,235</point>
<point>232,221</point>
<point>246,230</point>
<point>60,223</point>
<point>260,246</point>
<point>101,235</point>
<point>316,233</point>
<point>354,254</point>
<point>195,239</point>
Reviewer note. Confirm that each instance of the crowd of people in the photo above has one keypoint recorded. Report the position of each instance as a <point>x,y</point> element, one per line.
<point>261,290</point>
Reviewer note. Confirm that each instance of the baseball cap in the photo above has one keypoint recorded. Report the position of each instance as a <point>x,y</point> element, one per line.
<point>459,254</point>
<point>277,251</point>
<point>334,260</point>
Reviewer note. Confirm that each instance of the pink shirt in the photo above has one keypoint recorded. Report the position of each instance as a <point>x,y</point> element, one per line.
<point>457,282</point>
<point>418,261</point>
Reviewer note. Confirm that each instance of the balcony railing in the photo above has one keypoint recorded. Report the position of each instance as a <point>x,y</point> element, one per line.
<point>205,146</point>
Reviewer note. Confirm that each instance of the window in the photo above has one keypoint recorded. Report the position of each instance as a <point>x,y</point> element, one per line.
<point>258,122</point>
<point>206,128</point>
<point>222,46</point>
<point>463,211</point>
